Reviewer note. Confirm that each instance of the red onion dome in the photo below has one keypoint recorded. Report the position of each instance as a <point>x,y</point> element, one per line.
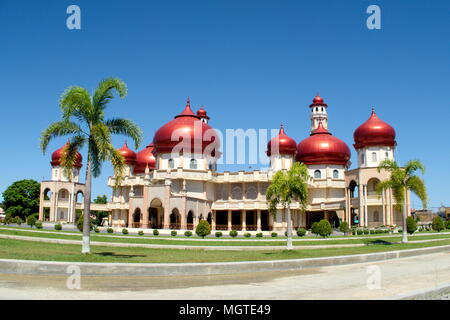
<point>145,158</point>
<point>318,101</point>
<point>282,144</point>
<point>322,148</point>
<point>128,154</point>
<point>187,132</point>
<point>56,157</point>
<point>201,113</point>
<point>374,132</point>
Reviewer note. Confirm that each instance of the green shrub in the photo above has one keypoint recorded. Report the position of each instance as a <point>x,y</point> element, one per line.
<point>80,222</point>
<point>233,233</point>
<point>173,233</point>
<point>38,224</point>
<point>438,224</point>
<point>315,228</point>
<point>324,228</point>
<point>18,220</point>
<point>344,228</point>
<point>96,230</point>
<point>366,231</point>
<point>259,235</point>
<point>219,234</point>
<point>140,232</point>
<point>301,232</point>
<point>31,221</point>
<point>125,231</point>
<point>247,235</point>
<point>203,228</point>
<point>188,233</point>
<point>274,234</point>
<point>448,224</point>
<point>372,231</point>
<point>411,225</point>
<point>110,230</point>
<point>155,232</point>
<point>359,232</point>
<point>58,226</point>
<point>8,218</point>
<point>400,230</point>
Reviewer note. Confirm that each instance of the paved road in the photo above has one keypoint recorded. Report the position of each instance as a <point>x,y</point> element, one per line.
<point>397,278</point>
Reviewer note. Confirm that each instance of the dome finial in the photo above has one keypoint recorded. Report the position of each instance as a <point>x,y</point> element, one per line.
<point>188,101</point>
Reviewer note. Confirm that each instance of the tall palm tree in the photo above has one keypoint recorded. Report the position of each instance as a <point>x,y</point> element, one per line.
<point>285,187</point>
<point>401,181</point>
<point>83,119</point>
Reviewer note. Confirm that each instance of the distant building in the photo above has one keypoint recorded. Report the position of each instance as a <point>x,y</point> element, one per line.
<point>425,216</point>
<point>444,212</point>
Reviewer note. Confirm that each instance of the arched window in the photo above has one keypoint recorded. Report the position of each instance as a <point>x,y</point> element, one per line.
<point>335,174</point>
<point>193,164</point>
<point>317,174</point>
<point>363,159</point>
<point>171,163</point>
<point>387,155</point>
<point>374,157</point>
<point>236,193</point>
<point>321,109</point>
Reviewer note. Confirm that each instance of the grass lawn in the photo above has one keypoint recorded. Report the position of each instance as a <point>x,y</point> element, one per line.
<point>29,250</point>
<point>222,242</point>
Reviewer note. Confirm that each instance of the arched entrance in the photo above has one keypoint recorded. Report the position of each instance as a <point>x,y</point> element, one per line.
<point>155,214</point>
<point>175,219</point>
<point>137,217</point>
<point>190,220</point>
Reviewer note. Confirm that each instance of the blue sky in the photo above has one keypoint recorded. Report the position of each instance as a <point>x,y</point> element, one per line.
<point>252,64</point>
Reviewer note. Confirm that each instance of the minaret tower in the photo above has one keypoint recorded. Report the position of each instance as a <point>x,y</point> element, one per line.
<point>318,113</point>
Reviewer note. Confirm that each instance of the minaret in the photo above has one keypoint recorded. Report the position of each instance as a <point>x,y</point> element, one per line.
<point>201,113</point>
<point>318,113</point>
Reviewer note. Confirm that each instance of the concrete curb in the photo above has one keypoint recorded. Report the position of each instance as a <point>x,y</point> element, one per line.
<point>9,266</point>
<point>423,294</point>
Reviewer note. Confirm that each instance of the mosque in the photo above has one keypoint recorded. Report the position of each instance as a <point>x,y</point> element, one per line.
<point>173,185</point>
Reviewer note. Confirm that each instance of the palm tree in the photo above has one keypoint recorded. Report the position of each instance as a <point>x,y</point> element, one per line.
<point>285,187</point>
<point>83,120</point>
<point>401,181</point>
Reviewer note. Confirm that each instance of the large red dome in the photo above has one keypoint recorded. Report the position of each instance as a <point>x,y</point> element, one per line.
<point>374,132</point>
<point>282,144</point>
<point>128,154</point>
<point>187,132</point>
<point>56,157</point>
<point>322,148</point>
<point>145,158</point>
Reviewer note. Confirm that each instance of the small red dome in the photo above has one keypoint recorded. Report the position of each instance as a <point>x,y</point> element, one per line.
<point>187,132</point>
<point>374,132</point>
<point>318,101</point>
<point>282,144</point>
<point>322,148</point>
<point>56,157</point>
<point>145,158</point>
<point>128,154</point>
<point>201,113</point>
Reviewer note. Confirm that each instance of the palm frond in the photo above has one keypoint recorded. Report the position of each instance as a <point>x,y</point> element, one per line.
<point>127,128</point>
<point>417,186</point>
<point>58,129</point>
<point>388,165</point>
<point>104,92</point>
<point>69,155</point>
<point>412,166</point>
<point>76,102</point>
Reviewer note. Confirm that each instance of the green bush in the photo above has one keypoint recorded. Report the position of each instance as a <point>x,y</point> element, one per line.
<point>366,231</point>
<point>400,230</point>
<point>125,231</point>
<point>140,232</point>
<point>155,232</point>
<point>359,232</point>
<point>203,228</point>
<point>31,221</point>
<point>38,224</point>
<point>448,224</point>
<point>301,232</point>
<point>80,222</point>
<point>259,235</point>
<point>110,230</point>
<point>344,228</point>
<point>58,226</point>
<point>233,233</point>
<point>219,234</point>
<point>274,234</point>
<point>18,220</point>
<point>371,231</point>
<point>324,228</point>
<point>438,224</point>
<point>247,235</point>
<point>8,218</point>
<point>315,228</point>
<point>411,225</point>
<point>96,230</point>
<point>188,233</point>
<point>173,233</point>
